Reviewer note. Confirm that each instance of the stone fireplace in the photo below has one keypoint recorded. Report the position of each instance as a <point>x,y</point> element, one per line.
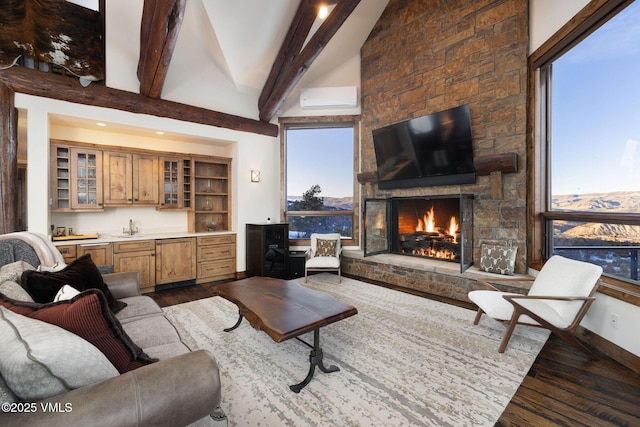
<point>430,227</point>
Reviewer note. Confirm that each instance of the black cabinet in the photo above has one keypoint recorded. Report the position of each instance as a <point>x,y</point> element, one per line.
<point>296,264</point>
<point>268,250</point>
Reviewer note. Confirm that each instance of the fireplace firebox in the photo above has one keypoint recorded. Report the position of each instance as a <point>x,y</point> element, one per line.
<point>433,227</point>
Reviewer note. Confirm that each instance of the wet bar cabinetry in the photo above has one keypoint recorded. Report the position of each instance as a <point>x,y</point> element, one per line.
<point>101,253</point>
<point>76,183</point>
<point>175,260</point>
<point>175,183</point>
<point>139,256</point>
<point>87,177</point>
<point>167,261</point>
<point>216,257</point>
<point>212,192</point>
<point>130,178</point>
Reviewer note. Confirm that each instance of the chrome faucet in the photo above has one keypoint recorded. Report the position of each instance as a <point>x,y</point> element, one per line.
<point>131,231</point>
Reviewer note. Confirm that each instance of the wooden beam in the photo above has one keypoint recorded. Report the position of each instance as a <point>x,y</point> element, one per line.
<point>8,161</point>
<point>486,165</point>
<point>289,76</point>
<point>297,34</point>
<point>161,22</point>
<point>505,163</point>
<point>49,85</point>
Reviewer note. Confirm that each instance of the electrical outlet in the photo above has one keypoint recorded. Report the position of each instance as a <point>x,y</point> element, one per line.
<point>614,321</point>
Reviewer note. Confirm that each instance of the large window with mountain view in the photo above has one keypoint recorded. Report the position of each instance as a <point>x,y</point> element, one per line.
<point>319,179</point>
<point>593,130</point>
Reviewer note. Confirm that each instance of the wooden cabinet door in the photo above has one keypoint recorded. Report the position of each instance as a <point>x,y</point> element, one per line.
<point>138,256</point>
<point>118,173</point>
<point>101,253</point>
<point>86,178</point>
<point>142,262</point>
<point>145,179</point>
<point>171,183</point>
<point>175,260</point>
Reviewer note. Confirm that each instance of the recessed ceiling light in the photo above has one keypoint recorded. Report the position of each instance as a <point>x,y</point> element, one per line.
<point>101,124</point>
<point>160,132</point>
<point>323,11</point>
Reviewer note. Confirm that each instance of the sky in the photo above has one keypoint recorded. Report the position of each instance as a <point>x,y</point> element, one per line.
<point>320,156</point>
<point>596,110</point>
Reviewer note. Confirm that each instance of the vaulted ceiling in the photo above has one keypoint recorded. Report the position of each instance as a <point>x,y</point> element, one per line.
<point>263,49</point>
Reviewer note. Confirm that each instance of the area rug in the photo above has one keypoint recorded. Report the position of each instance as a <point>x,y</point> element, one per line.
<point>404,361</point>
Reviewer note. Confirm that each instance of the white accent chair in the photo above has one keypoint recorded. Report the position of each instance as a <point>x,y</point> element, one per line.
<point>324,254</point>
<point>559,297</point>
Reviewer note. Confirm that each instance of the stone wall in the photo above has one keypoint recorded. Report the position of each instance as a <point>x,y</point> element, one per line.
<point>425,56</point>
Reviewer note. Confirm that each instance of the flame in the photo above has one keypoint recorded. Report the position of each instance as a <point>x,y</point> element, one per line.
<point>453,227</point>
<point>427,224</point>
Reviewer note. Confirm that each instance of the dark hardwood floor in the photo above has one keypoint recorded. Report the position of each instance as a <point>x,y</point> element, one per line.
<point>563,387</point>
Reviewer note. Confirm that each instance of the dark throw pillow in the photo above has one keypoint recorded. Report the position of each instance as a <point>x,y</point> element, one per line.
<point>88,316</point>
<point>81,274</point>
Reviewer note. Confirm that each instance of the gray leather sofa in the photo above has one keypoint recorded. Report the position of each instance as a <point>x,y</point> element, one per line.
<point>181,388</point>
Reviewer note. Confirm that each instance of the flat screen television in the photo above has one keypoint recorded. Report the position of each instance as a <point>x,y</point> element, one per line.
<point>435,149</point>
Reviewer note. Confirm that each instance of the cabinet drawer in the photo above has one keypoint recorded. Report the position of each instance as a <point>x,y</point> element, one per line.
<point>216,240</point>
<point>216,268</point>
<point>211,253</point>
<point>67,252</point>
<point>134,246</point>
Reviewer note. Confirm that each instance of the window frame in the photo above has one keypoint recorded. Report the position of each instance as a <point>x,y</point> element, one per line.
<point>287,123</point>
<point>588,20</point>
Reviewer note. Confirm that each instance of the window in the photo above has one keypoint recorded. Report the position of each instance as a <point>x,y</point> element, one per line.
<point>589,97</point>
<point>319,179</point>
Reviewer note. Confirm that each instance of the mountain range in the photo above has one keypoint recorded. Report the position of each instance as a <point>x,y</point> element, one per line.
<point>619,202</point>
<point>336,203</point>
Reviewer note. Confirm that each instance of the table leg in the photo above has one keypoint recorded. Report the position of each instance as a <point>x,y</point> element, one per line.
<point>315,359</point>
<point>240,317</point>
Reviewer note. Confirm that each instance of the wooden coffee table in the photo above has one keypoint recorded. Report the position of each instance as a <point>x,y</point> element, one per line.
<point>284,309</point>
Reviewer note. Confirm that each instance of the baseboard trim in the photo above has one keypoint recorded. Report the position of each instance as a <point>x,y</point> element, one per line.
<point>610,349</point>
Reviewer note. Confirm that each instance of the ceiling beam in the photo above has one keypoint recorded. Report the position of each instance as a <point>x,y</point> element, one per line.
<point>292,63</point>
<point>291,46</point>
<point>48,85</point>
<point>161,22</point>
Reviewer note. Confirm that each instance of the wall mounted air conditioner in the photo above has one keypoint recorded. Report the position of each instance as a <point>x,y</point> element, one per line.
<point>326,97</point>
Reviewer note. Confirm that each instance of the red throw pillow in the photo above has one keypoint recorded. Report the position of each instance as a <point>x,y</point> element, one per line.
<point>88,316</point>
<point>81,274</point>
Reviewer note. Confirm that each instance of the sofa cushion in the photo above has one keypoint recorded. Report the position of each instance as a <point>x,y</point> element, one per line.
<point>88,316</point>
<point>6,395</point>
<point>152,331</point>
<point>168,350</point>
<point>40,360</point>
<point>138,307</point>
<point>13,271</point>
<point>15,291</point>
<point>81,273</point>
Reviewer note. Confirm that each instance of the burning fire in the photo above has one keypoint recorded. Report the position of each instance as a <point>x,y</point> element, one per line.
<point>453,228</point>
<point>428,224</point>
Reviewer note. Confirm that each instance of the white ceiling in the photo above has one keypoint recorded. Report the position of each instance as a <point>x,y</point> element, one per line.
<point>229,46</point>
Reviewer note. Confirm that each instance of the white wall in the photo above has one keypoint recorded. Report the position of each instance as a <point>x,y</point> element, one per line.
<point>251,202</point>
<point>545,18</point>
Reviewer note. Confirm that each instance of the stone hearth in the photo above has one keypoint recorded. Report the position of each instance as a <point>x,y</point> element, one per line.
<point>435,277</point>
